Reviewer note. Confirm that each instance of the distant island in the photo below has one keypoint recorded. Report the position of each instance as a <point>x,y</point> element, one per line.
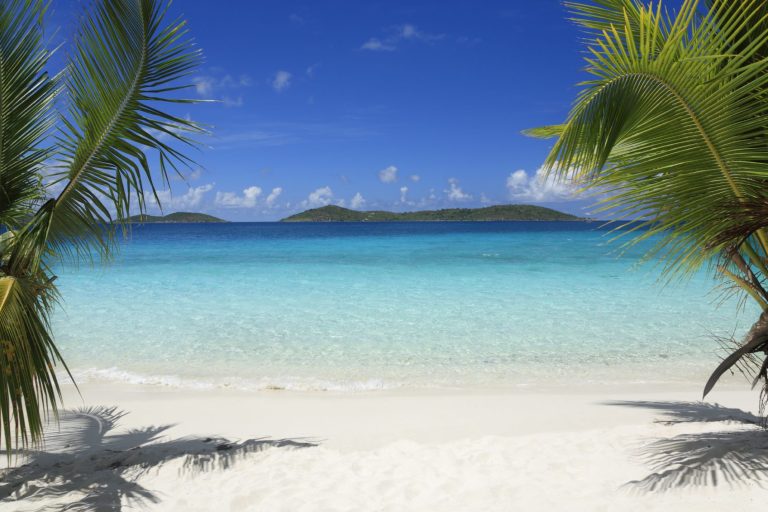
<point>174,218</point>
<point>510,212</point>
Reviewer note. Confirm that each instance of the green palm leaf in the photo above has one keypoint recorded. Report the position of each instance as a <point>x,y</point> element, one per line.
<point>672,129</point>
<point>126,65</point>
<point>28,384</point>
<point>26,100</point>
<point>669,130</point>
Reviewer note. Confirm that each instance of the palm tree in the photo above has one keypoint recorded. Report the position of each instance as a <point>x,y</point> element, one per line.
<point>672,127</point>
<point>73,161</point>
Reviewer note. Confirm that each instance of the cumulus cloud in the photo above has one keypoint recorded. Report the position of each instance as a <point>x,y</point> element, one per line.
<point>281,80</point>
<point>322,196</point>
<point>357,201</point>
<point>455,193</point>
<point>208,86</point>
<point>539,186</point>
<point>517,180</point>
<point>272,197</point>
<point>388,174</point>
<point>403,193</point>
<point>415,178</point>
<point>398,34</point>
<point>248,199</point>
<point>191,199</point>
<point>194,195</point>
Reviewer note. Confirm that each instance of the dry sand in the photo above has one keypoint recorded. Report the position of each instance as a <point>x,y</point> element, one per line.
<point>148,448</point>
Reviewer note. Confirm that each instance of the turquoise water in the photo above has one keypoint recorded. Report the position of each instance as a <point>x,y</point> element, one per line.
<point>378,306</point>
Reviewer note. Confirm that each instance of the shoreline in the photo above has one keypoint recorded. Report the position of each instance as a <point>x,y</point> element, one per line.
<point>377,385</point>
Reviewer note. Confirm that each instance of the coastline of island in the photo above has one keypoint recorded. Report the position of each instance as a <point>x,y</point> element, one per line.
<point>175,218</point>
<point>497,213</point>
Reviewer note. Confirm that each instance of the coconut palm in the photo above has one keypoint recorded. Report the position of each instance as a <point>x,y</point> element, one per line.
<point>73,163</point>
<point>672,127</point>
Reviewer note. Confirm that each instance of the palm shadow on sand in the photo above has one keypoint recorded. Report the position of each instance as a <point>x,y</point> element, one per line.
<point>85,458</point>
<point>736,457</point>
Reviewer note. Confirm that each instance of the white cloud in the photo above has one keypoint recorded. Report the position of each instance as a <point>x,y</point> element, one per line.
<point>403,193</point>
<point>415,178</point>
<point>388,174</point>
<point>192,198</point>
<point>357,201</point>
<point>272,197</point>
<point>485,199</point>
<point>320,197</point>
<point>230,82</point>
<point>540,186</point>
<point>408,31</point>
<point>517,180</point>
<point>281,81</point>
<point>455,193</point>
<point>397,34</point>
<point>232,102</point>
<point>248,199</point>
<point>203,85</point>
<point>376,45</point>
<point>429,200</point>
<point>207,85</point>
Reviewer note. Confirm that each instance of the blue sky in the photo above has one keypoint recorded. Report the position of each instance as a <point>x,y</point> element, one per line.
<point>374,105</point>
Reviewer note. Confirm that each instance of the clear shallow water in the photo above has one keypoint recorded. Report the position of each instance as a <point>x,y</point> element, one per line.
<point>371,306</point>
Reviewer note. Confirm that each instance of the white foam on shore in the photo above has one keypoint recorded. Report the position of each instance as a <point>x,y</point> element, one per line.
<point>116,375</point>
<point>293,383</point>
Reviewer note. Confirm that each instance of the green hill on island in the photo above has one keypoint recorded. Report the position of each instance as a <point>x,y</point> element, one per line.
<point>174,218</point>
<point>510,212</point>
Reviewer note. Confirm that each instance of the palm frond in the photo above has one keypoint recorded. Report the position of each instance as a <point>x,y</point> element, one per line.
<point>750,216</point>
<point>28,356</point>
<point>667,130</point>
<point>28,385</point>
<point>545,132</point>
<point>601,16</point>
<point>127,62</point>
<point>126,65</point>
<point>672,128</point>
<point>755,25</point>
<point>26,100</point>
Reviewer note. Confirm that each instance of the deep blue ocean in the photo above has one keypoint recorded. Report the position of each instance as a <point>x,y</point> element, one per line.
<point>393,305</point>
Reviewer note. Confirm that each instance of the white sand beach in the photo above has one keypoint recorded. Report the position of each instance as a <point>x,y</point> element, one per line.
<point>401,256</point>
<point>150,448</point>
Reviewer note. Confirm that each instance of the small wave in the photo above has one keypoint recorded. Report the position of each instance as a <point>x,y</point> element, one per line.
<point>92,375</point>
